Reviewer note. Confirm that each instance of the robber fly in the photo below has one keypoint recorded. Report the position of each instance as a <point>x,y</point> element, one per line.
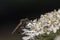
<point>22,23</point>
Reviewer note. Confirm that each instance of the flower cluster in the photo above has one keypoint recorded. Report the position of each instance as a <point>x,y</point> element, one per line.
<point>50,22</point>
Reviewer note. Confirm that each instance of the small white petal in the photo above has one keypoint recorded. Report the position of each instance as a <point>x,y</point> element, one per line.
<point>48,33</point>
<point>58,16</point>
<point>26,38</point>
<point>29,24</point>
<point>35,20</point>
<point>50,29</point>
<point>59,11</point>
<point>54,30</point>
<point>25,30</point>
<point>41,32</point>
<point>57,27</point>
<point>30,33</point>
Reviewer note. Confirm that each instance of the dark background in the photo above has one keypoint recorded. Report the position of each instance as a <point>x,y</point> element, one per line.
<point>11,11</point>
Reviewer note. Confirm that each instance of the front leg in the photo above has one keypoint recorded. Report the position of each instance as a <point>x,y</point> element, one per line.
<point>22,23</point>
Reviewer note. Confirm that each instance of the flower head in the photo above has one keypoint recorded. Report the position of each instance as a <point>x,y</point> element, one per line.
<point>50,22</point>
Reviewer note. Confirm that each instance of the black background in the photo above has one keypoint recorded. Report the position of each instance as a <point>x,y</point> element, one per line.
<point>11,11</point>
<point>16,9</point>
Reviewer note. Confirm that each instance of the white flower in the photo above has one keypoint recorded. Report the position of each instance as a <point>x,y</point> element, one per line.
<point>46,24</point>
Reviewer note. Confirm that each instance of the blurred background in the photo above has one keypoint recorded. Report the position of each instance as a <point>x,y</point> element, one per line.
<point>11,11</point>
